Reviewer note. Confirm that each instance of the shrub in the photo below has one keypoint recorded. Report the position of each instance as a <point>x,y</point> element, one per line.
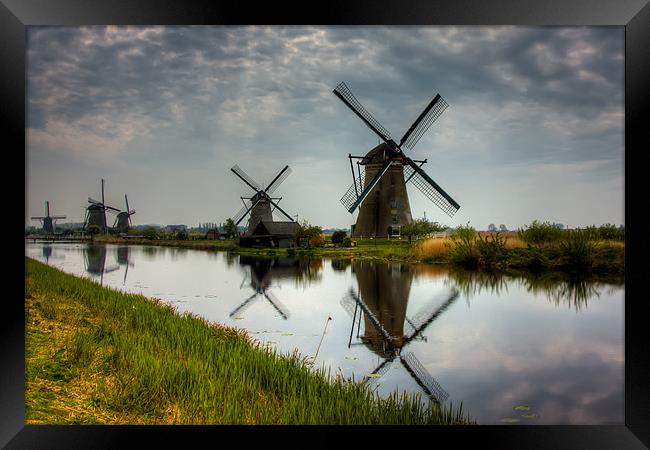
<point>93,230</point>
<point>540,233</point>
<point>464,252</point>
<point>491,249</point>
<point>317,240</point>
<point>578,249</point>
<point>347,242</point>
<point>338,236</point>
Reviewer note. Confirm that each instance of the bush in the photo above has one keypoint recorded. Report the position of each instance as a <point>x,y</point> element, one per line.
<point>540,233</point>
<point>317,240</point>
<point>578,249</point>
<point>338,236</point>
<point>491,249</point>
<point>93,229</point>
<point>464,252</point>
<point>347,242</point>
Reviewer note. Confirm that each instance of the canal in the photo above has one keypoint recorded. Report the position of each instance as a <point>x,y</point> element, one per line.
<point>522,349</point>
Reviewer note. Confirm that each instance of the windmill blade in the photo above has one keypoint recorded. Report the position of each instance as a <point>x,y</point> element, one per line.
<point>371,185</point>
<point>277,181</point>
<point>379,371</point>
<point>279,307</point>
<point>37,218</point>
<point>245,178</point>
<point>281,210</point>
<point>424,378</point>
<point>428,314</point>
<point>112,268</point>
<point>346,96</point>
<point>58,217</point>
<point>351,194</point>
<point>431,189</point>
<point>128,211</point>
<point>430,114</point>
<point>245,211</point>
<point>246,303</point>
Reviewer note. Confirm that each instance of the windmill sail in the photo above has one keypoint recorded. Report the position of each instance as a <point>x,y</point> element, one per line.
<point>430,188</point>
<point>345,94</point>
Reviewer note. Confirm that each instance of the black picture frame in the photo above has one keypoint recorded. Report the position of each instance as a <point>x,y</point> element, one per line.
<point>634,15</point>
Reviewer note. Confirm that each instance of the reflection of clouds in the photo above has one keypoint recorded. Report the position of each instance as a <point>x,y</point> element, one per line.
<point>569,392</point>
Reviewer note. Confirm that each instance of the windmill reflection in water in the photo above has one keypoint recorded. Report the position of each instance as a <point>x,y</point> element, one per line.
<point>382,300</point>
<point>262,271</point>
<point>95,261</point>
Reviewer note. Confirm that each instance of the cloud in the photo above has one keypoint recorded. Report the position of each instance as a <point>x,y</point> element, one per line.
<point>189,96</point>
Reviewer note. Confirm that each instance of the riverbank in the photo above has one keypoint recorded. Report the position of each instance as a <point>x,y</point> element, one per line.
<point>599,257</point>
<point>97,355</point>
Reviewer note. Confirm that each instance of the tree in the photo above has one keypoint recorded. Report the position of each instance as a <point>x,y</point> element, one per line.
<point>230,229</point>
<point>502,227</point>
<point>419,228</point>
<point>492,227</point>
<point>93,229</point>
<point>310,233</point>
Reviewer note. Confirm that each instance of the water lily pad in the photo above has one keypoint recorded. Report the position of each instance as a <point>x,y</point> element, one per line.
<point>374,375</point>
<point>530,416</point>
<point>350,357</point>
<point>521,408</point>
<point>287,334</point>
<point>509,420</point>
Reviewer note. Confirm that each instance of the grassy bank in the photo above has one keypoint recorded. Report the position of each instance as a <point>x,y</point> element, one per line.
<point>96,355</point>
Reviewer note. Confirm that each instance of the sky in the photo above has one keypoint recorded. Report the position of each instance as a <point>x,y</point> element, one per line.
<point>534,129</point>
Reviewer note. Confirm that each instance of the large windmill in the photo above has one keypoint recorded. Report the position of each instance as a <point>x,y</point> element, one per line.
<point>96,213</point>
<point>48,221</point>
<point>123,220</point>
<point>381,300</point>
<point>380,191</point>
<point>259,204</point>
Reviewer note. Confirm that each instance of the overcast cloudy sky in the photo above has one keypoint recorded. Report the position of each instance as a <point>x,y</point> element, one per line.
<point>534,129</point>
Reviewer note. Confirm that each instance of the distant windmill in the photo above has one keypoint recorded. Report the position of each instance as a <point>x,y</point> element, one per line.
<point>259,204</point>
<point>96,213</point>
<point>48,221</point>
<point>380,192</point>
<point>123,219</point>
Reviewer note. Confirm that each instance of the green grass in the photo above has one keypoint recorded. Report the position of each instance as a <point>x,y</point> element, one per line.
<point>96,355</point>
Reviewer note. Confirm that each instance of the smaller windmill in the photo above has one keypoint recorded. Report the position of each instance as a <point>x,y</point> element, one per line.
<point>390,347</point>
<point>260,281</point>
<point>96,213</point>
<point>123,220</point>
<point>259,204</point>
<point>47,220</point>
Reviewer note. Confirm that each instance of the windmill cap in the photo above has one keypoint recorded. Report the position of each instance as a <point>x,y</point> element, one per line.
<point>376,155</point>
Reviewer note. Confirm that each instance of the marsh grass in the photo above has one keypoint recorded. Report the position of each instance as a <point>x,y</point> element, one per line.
<point>110,357</point>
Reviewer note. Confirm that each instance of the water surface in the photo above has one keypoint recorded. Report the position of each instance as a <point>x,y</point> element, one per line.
<point>513,350</point>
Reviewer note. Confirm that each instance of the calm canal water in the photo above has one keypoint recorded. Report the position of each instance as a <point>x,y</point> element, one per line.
<point>513,350</point>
